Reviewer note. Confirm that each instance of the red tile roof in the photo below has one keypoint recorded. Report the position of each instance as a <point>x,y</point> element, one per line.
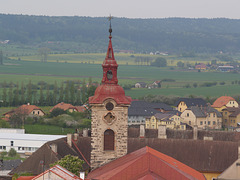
<point>81,108</point>
<point>145,163</point>
<point>63,106</point>
<point>25,108</point>
<point>61,172</point>
<point>25,178</point>
<point>222,101</point>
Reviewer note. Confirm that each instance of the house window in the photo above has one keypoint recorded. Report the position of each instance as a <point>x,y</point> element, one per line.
<point>214,114</point>
<point>233,121</point>
<point>153,126</point>
<point>201,123</point>
<point>11,143</point>
<point>189,122</point>
<point>33,112</point>
<point>205,122</point>
<point>230,102</point>
<point>209,115</point>
<point>180,109</point>
<point>209,122</point>
<point>187,114</point>
<point>225,113</point>
<point>152,120</point>
<point>108,140</point>
<point>38,112</point>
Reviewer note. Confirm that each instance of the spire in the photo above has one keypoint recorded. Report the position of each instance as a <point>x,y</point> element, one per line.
<point>110,54</point>
<point>109,64</point>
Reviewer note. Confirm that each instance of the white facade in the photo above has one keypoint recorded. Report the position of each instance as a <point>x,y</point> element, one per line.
<point>10,130</point>
<point>24,143</point>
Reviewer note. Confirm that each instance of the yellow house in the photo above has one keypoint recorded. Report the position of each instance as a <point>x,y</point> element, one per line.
<point>204,118</point>
<point>231,116</point>
<point>184,103</point>
<point>224,102</point>
<point>171,121</point>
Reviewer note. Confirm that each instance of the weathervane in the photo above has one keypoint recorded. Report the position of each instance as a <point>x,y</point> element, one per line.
<point>110,19</point>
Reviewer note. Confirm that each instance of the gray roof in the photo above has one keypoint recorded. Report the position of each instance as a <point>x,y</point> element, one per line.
<point>143,108</point>
<point>9,164</point>
<point>192,102</point>
<point>203,111</point>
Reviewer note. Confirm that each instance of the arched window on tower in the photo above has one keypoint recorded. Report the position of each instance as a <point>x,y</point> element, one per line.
<point>108,140</point>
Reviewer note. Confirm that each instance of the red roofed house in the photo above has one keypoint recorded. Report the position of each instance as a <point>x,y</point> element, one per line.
<point>65,107</point>
<point>82,108</point>
<point>26,109</point>
<point>145,163</point>
<point>55,172</point>
<point>224,102</point>
<point>201,66</point>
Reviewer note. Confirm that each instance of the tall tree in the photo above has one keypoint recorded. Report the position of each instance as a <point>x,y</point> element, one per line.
<point>29,92</point>
<point>66,98</point>
<point>55,92</point>
<point>10,94</point>
<point>84,91</point>
<point>1,57</point>
<point>72,93</point>
<point>47,100</point>
<point>22,93</point>
<point>61,93</point>
<point>16,96</point>
<point>41,97</point>
<point>4,96</point>
<point>43,52</point>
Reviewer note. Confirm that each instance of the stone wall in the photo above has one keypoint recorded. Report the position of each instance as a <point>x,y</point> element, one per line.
<point>99,125</point>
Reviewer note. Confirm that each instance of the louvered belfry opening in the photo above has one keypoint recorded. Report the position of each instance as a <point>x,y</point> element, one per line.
<point>108,140</point>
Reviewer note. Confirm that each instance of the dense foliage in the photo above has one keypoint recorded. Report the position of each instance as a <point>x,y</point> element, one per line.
<point>140,35</point>
<point>71,163</point>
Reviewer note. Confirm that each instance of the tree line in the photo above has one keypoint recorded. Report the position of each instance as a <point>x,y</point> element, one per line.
<point>139,35</point>
<point>44,94</point>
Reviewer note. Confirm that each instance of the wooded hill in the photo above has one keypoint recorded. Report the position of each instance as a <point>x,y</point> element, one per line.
<point>173,35</point>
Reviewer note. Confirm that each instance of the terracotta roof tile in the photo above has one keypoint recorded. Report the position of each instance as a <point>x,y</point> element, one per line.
<point>25,108</point>
<point>63,106</point>
<point>145,162</point>
<point>222,101</point>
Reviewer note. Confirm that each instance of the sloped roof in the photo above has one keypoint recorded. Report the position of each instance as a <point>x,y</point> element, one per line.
<point>25,108</point>
<point>232,172</point>
<point>61,172</point>
<point>143,108</point>
<point>145,162</point>
<point>198,154</point>
<point>48,156</point>
<point>163,116</point>
<point>222,101</point>
<point>192,102</point>
<point>80,108</point>
<point>9,164</point>
<point>203,111</point>
<point>63,106</point>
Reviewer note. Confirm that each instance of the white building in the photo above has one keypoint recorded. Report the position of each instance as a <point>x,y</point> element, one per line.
<point>10,130</point>
<point>24,143</point>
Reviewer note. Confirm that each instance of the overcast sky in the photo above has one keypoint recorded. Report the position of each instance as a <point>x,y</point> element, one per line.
<point>125,8</point>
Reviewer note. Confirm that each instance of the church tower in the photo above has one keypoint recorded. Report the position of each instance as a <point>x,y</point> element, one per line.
<point>109,114</point>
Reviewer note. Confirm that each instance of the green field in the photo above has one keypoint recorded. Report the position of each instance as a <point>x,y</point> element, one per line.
<point>23,71</point>
<point>47,129</point>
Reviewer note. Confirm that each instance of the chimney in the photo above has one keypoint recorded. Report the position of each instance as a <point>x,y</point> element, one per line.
<point>75,136</point>
<point>53,147</point>
<point>69,139</point>
<point>142,131</point>
<point>85,132</point>
<point>195,132</point>
<point>162,132</point>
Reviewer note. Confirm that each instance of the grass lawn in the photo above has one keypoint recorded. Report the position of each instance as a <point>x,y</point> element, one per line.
<point>47,129</point>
